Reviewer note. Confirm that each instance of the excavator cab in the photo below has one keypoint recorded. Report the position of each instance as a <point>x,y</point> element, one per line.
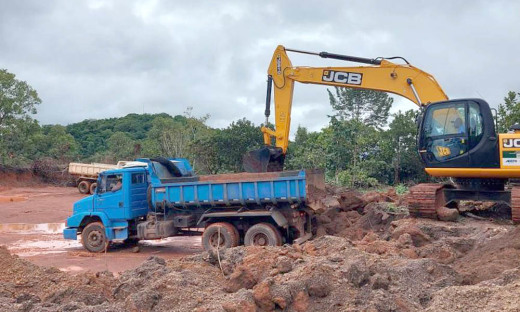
<point>458,134</point>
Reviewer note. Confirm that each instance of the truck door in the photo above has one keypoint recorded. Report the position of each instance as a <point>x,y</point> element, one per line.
<point>138,188</point>
<point>110,199</point>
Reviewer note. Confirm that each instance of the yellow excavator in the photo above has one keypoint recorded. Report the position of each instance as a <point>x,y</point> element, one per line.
<point>456,138</point>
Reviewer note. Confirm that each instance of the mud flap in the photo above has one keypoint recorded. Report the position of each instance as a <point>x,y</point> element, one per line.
<point>70,233</point>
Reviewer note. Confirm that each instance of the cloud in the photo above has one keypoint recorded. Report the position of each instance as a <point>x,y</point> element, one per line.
<point>99,59</point>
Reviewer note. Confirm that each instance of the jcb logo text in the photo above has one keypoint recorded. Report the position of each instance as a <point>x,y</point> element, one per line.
<point>342,77</point>
<point>509,143</point>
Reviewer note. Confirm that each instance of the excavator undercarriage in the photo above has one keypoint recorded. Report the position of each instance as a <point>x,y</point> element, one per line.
<point>430,200</point>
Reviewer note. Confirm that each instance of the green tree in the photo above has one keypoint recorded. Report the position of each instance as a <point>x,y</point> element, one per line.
<point>307,150</point>
<point>18,101</point>
<point>121,146</point>
<point>235,141</point>
<point>206,153</point>
<point>509,112</point>
<point>54,141</point>
<point>18,146</point>
<point>365,106</point>
<point>399,148</point>
<point>359,116</point>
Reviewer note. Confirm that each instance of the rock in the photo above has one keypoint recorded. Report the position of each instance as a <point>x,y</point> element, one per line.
<point>351,201</point>
<point>280,302</point>
<point>409,253</point>
<point>284,265</point>
<point>263,297</point>
<point>142,301</point>
<point>447,214</point>
<point>242,277</point>
<point>240,306</point>
<point>357,274</point>
<point>300,302</point>
<point>330,202</point>
<point>379,281</point>
<point>419,238</point>
<point>376,197</point>
<point>318,288</point>
<point>405,240</point>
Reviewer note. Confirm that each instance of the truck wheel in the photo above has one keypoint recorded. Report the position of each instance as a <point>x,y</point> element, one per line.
<point>92,188</point>
<point>84,187</point>
<point>93,237</point>
<point>228,236</point>
<point>263,234</point>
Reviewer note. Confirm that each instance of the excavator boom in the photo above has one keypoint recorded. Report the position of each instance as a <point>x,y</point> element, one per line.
<point>382,75</point>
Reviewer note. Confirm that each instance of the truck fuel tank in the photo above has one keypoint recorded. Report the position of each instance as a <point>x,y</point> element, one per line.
<point>154,229</point>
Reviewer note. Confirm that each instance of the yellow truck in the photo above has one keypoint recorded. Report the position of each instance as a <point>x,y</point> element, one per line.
<point>86,174</point>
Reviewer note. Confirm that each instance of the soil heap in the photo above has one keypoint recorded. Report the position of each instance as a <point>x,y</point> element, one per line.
<point>367,256</point>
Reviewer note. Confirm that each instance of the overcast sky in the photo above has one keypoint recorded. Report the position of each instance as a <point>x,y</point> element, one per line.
<point>99,59</point>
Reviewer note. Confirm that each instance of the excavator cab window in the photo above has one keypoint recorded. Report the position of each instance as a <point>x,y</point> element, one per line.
<point>458,134</point>
<point>445,131</point>
<point>475,125</point>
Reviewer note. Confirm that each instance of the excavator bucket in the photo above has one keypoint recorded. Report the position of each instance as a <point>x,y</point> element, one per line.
<point>266,159</point>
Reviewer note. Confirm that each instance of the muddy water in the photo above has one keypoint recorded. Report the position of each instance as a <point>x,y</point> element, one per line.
<point>27,228</point>
<point>12,199</point>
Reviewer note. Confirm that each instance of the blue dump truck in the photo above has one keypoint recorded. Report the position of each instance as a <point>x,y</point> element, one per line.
<point>158,198</point>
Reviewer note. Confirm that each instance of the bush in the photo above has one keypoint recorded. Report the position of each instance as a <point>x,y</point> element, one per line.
<point>401,189</point>
<point>355,178</point>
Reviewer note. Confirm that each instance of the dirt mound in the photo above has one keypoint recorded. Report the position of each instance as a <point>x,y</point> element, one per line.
<point>329,273</point>
<point>499,294</point>
<point>41,172</point>
<point>24,286</point>
<point>367,256</point>
<point>491,257</point>
<point>353,215</point>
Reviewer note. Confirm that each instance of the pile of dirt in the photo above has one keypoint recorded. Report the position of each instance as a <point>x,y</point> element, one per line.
<point>499,294</point>
<point>367,256</point>
<point>353,215</point>
<point>25,286</point>
<point>10,177</point>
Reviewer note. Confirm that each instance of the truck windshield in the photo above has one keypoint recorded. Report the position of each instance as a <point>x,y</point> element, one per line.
<point>110,183</point>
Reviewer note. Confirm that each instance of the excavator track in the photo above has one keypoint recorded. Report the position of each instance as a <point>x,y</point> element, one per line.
<point>424,200</point>
<point>515,204</point>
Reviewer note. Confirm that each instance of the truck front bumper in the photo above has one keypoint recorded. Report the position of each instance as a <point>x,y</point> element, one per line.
<point>70,233</point>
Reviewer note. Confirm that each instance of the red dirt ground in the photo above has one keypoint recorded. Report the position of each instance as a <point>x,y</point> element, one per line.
<point>31,222</point>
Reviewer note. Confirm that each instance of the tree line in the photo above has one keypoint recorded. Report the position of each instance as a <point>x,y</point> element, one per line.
<point>363,145</point>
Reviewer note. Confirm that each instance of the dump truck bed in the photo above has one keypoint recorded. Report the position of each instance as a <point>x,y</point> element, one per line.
<point>241,189</point>
<point>89,170</point>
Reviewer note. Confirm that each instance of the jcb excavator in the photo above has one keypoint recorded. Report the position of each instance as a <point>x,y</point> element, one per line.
<point>456,138</point>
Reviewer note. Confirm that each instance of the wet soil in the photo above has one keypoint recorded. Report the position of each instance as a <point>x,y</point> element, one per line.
<point>31,228</point>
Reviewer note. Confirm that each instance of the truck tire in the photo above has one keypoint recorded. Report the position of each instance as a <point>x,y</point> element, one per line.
<point>92,188</point>
<point>263,234</point>
<point>93,237</point>
<point>84,187</point>
<point>228,236</point>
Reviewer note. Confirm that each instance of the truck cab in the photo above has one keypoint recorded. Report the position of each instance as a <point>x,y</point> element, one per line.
<point>119,198</point>
<point>119,202</point>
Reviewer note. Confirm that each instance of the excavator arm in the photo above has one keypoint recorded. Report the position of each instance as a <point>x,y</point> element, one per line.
<point>382,75</point>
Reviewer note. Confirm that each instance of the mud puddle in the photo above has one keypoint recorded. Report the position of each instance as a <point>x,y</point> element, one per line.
<point>28,228</point>
<point>12,199</point>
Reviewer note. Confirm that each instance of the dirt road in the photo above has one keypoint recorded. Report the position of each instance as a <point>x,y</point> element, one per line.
<point>31,221</point>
